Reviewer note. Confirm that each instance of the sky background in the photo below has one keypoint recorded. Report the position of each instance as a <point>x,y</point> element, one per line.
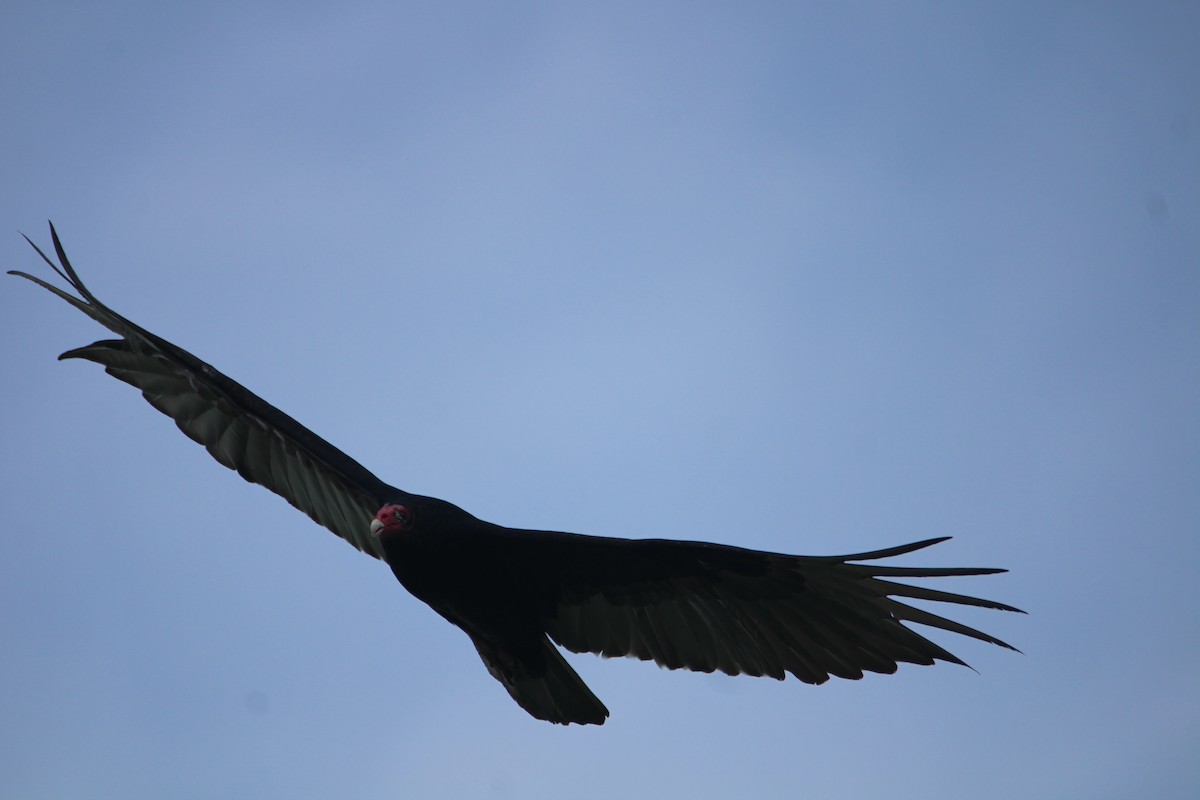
<point>813,279</point>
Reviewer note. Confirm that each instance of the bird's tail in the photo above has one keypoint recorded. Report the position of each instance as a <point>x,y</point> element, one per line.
<point>542,682</point>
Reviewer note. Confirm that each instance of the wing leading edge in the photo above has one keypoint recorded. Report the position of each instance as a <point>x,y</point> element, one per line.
<point>238,428</point>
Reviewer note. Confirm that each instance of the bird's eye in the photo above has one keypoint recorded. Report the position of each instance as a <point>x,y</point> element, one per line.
<point>402,515</point>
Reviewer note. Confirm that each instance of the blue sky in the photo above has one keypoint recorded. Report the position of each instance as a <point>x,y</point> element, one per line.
<point>805,279</point>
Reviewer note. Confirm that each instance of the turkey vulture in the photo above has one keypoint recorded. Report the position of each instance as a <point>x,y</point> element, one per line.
<point>519,593</point>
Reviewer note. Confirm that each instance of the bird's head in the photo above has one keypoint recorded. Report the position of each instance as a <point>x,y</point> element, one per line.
<point>414,513</point>
<point>392,519</point>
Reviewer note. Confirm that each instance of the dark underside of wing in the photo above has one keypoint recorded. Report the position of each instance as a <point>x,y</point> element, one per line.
<point>237,427</point>
<point>706,607</point>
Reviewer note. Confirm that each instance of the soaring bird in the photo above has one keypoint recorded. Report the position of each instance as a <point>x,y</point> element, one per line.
<point>521,594</point>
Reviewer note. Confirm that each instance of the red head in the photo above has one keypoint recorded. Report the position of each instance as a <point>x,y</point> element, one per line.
<point>392,519</point>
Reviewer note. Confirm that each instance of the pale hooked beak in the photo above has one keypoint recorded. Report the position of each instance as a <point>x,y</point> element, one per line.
<point>391,519</point>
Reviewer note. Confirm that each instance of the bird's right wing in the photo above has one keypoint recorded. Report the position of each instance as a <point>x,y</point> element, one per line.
<point>239,429</point>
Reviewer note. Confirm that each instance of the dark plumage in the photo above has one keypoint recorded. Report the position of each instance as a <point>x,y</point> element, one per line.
<point>517,593</point>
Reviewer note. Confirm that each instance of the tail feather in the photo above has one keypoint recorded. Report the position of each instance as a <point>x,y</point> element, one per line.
<point>543,683</point>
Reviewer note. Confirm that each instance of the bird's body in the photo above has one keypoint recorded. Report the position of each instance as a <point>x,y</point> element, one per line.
<point>519,593</point>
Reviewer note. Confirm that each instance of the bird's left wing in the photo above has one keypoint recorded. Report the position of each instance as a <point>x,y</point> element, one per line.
<point>706,607</point>
<point>238,428</point>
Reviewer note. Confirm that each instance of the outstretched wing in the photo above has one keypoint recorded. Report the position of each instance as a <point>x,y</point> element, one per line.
<point>237,427</point>
<point>706,607</point>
